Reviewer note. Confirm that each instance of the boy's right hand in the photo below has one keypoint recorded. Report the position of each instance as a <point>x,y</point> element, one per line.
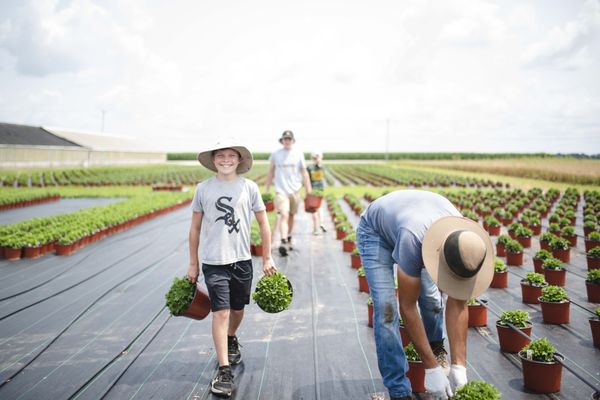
<point>193,272</point>
<point>268,267</point>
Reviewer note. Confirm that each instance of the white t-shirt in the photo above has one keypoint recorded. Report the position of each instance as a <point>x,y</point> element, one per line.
<point>228,208</point>
<point>402,218</point>
<point>289,165</point>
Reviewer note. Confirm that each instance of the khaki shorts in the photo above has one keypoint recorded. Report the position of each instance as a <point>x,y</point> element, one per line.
<point>287,203</point>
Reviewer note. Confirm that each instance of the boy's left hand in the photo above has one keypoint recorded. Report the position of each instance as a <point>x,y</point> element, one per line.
<point>268,267</point>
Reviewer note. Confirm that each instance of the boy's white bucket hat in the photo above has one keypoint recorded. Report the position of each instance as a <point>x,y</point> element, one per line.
<point>205,157</point>
<point>459,257</point>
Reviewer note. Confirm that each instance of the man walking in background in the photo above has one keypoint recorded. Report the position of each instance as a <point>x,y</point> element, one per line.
<point>288,172</point>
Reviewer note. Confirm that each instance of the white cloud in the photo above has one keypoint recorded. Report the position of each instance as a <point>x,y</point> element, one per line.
<point>567,46</point>
<point>446,74</point>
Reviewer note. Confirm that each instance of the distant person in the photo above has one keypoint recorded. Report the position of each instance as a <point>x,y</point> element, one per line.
<point>317,182</point>
<point>222,210</point>
<point>436,249</point>
<point>288,171</point>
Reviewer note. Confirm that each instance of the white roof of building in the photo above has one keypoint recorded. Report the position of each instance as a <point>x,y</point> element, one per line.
<point>102,142</point>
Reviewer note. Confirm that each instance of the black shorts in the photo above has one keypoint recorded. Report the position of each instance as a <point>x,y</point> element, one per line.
<point>228,285</point>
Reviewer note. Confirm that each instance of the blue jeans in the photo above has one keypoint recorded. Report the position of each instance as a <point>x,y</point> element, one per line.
<point>377,261</point>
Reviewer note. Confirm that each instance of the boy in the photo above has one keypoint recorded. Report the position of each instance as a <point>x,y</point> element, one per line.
<point>222,210</point>
<point>317,181</point>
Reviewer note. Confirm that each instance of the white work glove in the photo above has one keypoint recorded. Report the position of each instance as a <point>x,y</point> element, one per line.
<point>436,384</point>
<point>458,376</point>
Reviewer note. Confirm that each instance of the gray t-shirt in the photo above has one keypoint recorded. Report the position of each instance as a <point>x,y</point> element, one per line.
<point>227,208</point>
<point>289,165</point>
<point>402,218</point>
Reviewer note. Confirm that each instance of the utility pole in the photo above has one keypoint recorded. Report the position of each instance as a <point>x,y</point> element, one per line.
<point>387,139</point>
<point>103,115</point>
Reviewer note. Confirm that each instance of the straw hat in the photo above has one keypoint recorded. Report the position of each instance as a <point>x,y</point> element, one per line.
<point>459,257</point>
<point>205,157</point>
<point>286,135</point>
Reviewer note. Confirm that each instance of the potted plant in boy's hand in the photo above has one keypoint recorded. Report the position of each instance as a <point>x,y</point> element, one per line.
<point>500,279</point>
<point>595,326</point>
<point>416,370</point>
<point>542,371</point>
<point>184,298</point>
<point>312,201</point>
<point>555,305</point>
<point>273,293</point>
<point>593,258</point>
<point>478,390</point>
<point>511,326</point>
<point>554,271</point>
<point>538,260</point>
<point>592,286</point>
<point>531,287</point>
<point>514,253</point>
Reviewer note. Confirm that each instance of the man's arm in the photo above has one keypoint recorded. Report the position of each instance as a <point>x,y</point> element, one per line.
<point>265,234</point>
<point>270,175</point>
<point>194,243</point>
<point>457,321</point>
<point>306,178</point>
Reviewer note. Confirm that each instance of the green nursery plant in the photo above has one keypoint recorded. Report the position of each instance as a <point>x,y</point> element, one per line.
<point>534,279</point>
<point>180,295</point>
<point>514,247</point>
<point>553,263</point>
<point>503,239</point>
<point>594,236</point>
<point>539,350</point>
<point>542,255</point>
<point>594,276</point>
<point>273,293</point>
<point>517,318</point>
<point>499,265</point>
<point>554,294</point>
<point>594,252</point>
<point>477,390</point>
<point>411,353</point>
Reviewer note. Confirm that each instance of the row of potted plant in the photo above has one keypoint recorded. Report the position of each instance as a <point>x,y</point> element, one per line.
<point>15,198</point>
<point>67,232</point>
<point>380,175</point>
<point>106,176</point>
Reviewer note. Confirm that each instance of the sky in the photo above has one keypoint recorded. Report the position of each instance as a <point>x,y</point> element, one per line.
<point>348,75</point>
